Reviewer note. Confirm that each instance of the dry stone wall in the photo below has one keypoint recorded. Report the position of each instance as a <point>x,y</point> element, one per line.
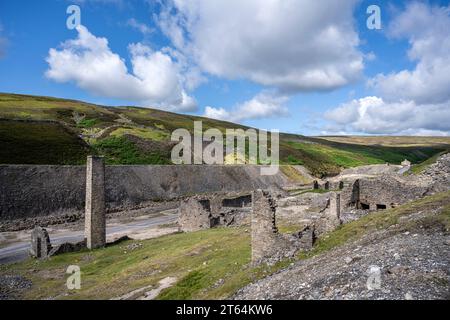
<point>28,191</point>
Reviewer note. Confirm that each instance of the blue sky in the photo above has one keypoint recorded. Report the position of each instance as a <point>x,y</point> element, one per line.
<point>296,66</point>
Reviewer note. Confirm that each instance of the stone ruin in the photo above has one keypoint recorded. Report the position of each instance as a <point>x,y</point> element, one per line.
<point>95,218</point>
<point>268,245</point>
<point>195,214</point>
<point>40,243</point>
<point>205,212</point>
<point>327,185</point>
<point>316,185</point>
<point>381,193</point>
<point>41,247</point>
<point>330,218</point>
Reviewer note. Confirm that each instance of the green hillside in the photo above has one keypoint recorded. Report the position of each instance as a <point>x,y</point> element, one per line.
<point>45,130</point>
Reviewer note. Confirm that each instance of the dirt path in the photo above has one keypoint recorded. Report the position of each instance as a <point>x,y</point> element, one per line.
<point>14,245</point>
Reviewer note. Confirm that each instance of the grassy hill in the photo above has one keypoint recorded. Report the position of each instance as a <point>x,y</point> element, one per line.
<point>46,130</point>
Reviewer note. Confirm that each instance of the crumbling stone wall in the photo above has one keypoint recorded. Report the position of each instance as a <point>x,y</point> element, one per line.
<point>381,193</point>
<point>331,216</point>
<point>268,245</point>
<point>214,210</point>
<point>328,185</point>
<point>195,214</point>
<point>42,248</point>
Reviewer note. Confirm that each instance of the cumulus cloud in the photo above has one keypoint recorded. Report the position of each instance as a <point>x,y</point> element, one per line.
<point>293,45</point>
<point>410,101</point>
<point>89,62</point>
<point>373,115</point>
<point>427,29</point>
<point>263,105</point>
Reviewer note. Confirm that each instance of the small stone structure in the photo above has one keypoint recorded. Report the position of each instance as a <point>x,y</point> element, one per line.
<point>195,214</point>
<point>327,185</point>
<point>95,220</point>
<point>268,245</point>
<point>331,217</point>
<point>204,212</point>
<point>315,185</point>
<point>68,247</point>
<point>406,163</point>
<point>381,193</point>
<point>40,243</point>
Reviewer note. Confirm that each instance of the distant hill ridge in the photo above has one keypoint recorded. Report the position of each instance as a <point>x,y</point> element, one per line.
<point>47,130</point>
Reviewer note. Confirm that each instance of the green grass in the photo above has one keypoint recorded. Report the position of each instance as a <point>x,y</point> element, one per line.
<point>198,260</point>
<point>120,150</point>
<point>300,191</point>
<point>328,158</point>
<point>25,142</point>
<point>87,123</point>
<point>149,134</point>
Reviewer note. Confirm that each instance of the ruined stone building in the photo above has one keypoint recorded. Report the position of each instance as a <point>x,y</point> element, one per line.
<point>204,212</point>
<point>381,193</point>
<point>268,245</point>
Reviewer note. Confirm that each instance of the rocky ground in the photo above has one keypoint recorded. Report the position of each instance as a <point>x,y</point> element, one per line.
<point>12,285</point>
<point>408,260</point>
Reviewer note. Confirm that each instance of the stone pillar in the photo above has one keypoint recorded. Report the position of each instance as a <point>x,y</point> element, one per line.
<point>40,243</point>
<point>315,185</point>
<point>95,220</point>
<point>335,205</point>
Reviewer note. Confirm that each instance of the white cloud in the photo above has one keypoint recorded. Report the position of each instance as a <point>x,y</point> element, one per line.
<point>141,27</point>
<point>263,105</point>
<point>293,45</point>
<point>410,101</point>
<point>427,29</point>
<point>89,62</point>
<point>373,115</point>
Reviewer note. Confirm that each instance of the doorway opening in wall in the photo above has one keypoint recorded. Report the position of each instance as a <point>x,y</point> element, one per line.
<point>365,206</point>
<point>381,207</point>
<point>38,248</point>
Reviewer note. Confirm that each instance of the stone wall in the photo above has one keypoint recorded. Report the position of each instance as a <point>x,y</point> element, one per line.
<point>330,218</point>
<point>28,191</point>
<point>381,193</point>
<point>268,245</point>
<point>213,210</point>
<point>195,214</point>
